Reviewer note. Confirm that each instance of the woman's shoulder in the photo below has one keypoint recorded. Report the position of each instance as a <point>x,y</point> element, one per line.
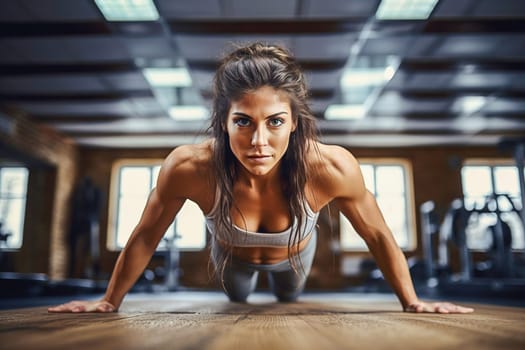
<point>188,164</point>
<point>186,172</point>
<point>331,159</point>
<point>333,172</point>
<point>190,158</point>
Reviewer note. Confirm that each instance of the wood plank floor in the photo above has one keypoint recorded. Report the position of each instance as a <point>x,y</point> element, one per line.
<point>208,321</point>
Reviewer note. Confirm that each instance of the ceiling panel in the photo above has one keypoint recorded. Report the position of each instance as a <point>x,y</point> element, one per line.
<point>323,79</point>
<point>454,8</point>
<point>189,9</point>
<point>60,10</point>
<point>388,46</point>
<point>498,8</point>
<point>52,84</point>
<point>13,11</point>
<point>323,47</point>
<point>98,49</point>
<point>198,47</point>
<point>149,47</point>
<point>434,80</point>
<point>78,108</point>
<point>37,50</point>
<point>125,81</point>
<point>273,9</point>
<point>202,80</point>
<point>146,106</point>
<point>138,125</point>
<point>506,105</point>
<point>338,8</point>
<point>484,80</point>
<point>391,103</point>
<point>65,66</point>
<point>477,45</point>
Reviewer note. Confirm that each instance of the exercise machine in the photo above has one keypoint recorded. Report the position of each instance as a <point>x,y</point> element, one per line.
<point>493,271</point>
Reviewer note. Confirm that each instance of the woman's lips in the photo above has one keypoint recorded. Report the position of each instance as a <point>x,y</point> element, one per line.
<point>259,157</point>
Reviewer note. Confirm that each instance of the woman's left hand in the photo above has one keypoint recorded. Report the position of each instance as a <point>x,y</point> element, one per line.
<point>440,308</point>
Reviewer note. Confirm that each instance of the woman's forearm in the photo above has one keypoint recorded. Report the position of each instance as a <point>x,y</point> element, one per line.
<point>392,262</point>
<point>130,264</point>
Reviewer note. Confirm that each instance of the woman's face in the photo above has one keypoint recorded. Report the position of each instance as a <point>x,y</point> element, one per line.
<point>259,125</point>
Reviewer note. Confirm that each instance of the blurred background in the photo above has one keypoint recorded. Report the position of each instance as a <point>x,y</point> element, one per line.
<point>429,96</point>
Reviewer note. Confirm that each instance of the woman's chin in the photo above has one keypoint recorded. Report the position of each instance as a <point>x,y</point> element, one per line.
<point>260,170</point>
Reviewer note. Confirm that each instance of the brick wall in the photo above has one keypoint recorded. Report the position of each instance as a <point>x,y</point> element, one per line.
<point>48,147</point>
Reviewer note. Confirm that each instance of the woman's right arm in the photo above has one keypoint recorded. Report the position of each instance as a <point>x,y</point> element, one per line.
<point>134,258</point>
<point>163,204</point>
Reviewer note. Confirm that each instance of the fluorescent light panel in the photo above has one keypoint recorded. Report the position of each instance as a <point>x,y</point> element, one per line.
<point>188,113</point>
<point>371,74</point>
<point>405,9</point>
<point>344,112</point>
<point>363,77</point>
<point>469,104</point>
<point>128,10</point>
<point>175,77</point>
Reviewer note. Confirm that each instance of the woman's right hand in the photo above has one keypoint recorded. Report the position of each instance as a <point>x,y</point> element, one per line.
<point>84,306</point>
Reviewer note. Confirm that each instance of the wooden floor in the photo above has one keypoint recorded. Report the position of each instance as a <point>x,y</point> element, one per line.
<point>207,321</point>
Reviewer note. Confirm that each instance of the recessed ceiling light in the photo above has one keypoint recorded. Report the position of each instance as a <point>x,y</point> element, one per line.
<point>176,77</point>
<point>370,72</point>
<point>469,104</point>
<point>362,77</point>
<point>388,73</point>
<point>405,9</point>
<point>128,10</point>
<point>188,113</point>
<point>344,112</point>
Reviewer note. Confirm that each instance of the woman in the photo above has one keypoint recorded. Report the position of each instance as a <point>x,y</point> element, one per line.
<point>262,180</point>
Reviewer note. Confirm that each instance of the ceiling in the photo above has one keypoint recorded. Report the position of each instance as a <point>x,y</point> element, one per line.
<point>62,64</point>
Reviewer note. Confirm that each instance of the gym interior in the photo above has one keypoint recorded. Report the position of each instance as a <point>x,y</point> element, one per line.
<point>429,96</point>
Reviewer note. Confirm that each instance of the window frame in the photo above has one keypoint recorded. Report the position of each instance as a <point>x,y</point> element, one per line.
<point>412,237</point>
<point>113,207</point>
<point>24,214</point>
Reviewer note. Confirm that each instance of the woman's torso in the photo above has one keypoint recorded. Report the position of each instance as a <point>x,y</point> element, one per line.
<point>261,210</point>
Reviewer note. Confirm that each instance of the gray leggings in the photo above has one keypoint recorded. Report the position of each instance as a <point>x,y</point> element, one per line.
<point>240,278</point>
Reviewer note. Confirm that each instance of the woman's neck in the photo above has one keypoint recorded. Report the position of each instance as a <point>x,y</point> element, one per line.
<point>259,183</point>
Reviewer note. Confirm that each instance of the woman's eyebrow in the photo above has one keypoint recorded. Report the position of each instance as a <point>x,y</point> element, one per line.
<point>276,114</point>
<point>241,114</point>
<point>270,116</point>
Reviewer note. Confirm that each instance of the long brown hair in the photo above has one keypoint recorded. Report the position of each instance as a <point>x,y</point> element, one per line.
<point>246,69</point>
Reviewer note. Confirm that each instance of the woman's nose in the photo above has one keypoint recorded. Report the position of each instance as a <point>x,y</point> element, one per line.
<point>259,137</point>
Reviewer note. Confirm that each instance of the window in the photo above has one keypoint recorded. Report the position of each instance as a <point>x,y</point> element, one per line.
<point>481,179</point>
<point>132,184</point>
<point>388,182</point>
<point>13,193</point>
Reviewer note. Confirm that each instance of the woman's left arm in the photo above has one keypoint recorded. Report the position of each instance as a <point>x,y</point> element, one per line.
<point>360,207</point>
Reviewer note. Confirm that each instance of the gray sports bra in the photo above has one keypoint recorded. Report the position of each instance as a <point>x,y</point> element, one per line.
<point>244,238</point>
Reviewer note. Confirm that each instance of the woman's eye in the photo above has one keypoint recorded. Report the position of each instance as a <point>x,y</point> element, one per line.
<point>242,122</point>
<point>276,122</point>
